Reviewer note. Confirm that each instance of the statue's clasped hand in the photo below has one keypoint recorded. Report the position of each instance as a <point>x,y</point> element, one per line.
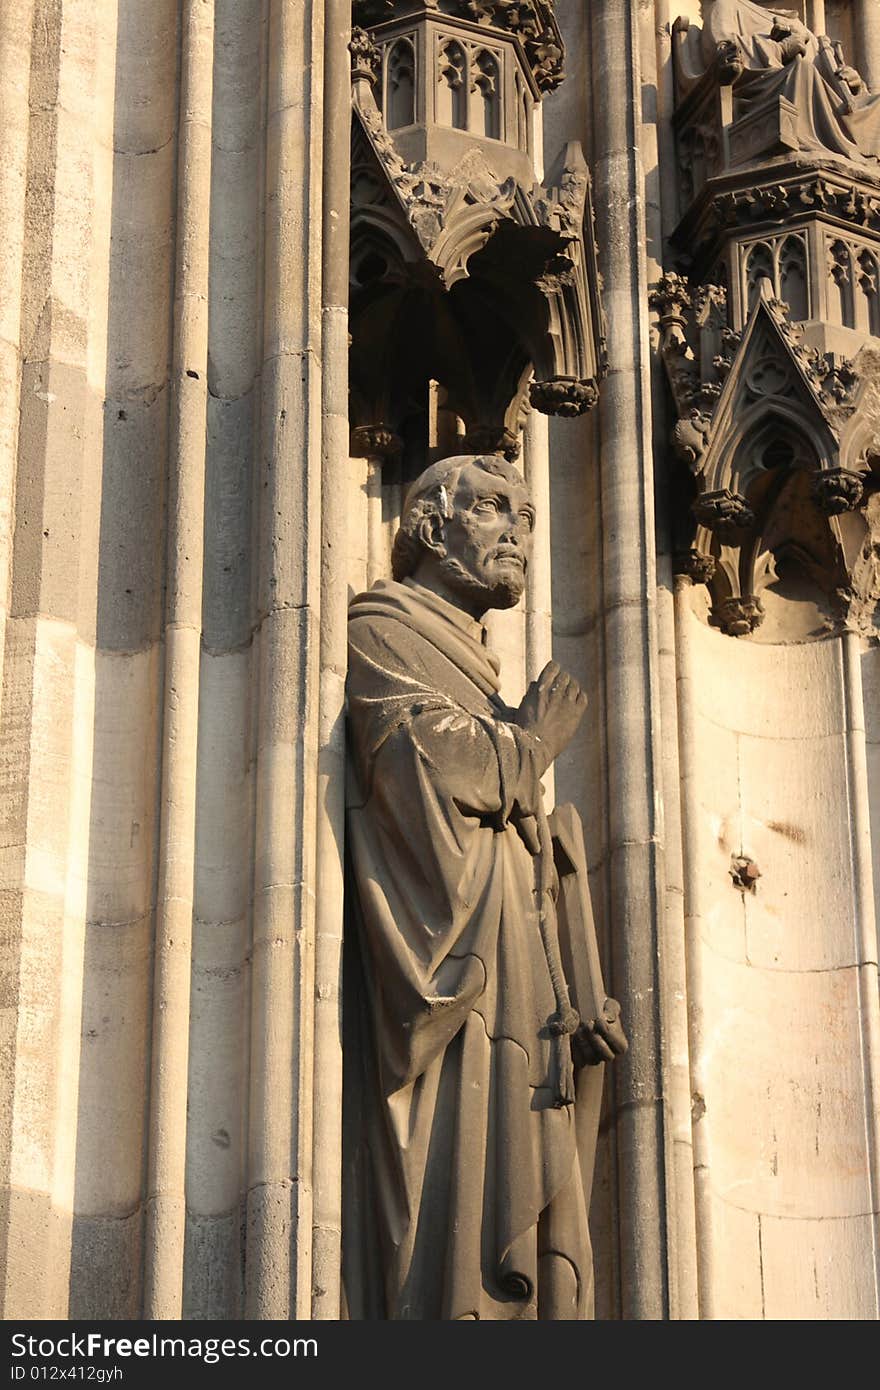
<point>551,710</point>
<point>600,1039</point>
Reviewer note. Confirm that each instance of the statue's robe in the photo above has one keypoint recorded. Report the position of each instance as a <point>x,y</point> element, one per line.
<point>463,1196</point>
<point>830,119</point>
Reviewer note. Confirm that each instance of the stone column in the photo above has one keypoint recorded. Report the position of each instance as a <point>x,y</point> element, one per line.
<point>166,1196</point>
<point>580,773</point>
<point>223,881</point>
<point>816,16</point>
<point>378,546</point>
<point>661,215</point>
<point>131,351</point>
<point>162,718</point>
<point>633,712</point>
<point>368,548</point>
<point>327,1092</point>
<point>865,913</point>
<point>691,813</point>
<point>279,1215</point>
<point>538,602</point>
<point>867,42</point>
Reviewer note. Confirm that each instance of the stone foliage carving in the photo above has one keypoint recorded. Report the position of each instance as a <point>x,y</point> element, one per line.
<point>477,1014</point>
<point>723,512</point>
<point>561,396</point>
<point>461,206</point>
<point>739,615</point>
<point>365,57</point>
<point>837,490</point>
<point>374,441</point>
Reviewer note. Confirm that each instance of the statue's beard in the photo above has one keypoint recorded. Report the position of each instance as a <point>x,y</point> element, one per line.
<point>504,592</point>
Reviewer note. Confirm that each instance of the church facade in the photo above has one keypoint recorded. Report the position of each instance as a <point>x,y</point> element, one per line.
<point>265,261</point>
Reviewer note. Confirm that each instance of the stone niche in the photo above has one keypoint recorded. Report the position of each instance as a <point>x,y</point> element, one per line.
<point>446,83</point>
<point>474,290</point>
<point>769,325</point>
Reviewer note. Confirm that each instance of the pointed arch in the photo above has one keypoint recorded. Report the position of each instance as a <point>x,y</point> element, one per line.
<point>840,274</point>
<point>869,289</point>
<point>793,281</point>
<point>759,266</point>
<point>486,86</point>
<point>400,85</point>
<point>765,440</point>
<point>777,439</point>
<point>452,87</point>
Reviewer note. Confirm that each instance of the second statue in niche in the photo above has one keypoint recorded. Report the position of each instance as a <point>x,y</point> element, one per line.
<point>476,1017</point>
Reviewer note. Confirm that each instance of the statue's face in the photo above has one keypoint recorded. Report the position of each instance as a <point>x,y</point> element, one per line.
<point>488,538</point>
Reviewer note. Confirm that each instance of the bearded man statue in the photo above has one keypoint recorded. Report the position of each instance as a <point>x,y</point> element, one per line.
<point>474,1009</point>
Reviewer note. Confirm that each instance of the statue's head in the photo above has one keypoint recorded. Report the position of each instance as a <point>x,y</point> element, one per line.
<point>466,530</point>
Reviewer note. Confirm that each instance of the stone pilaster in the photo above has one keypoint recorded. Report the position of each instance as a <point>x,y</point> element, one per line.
<point>632,701</point>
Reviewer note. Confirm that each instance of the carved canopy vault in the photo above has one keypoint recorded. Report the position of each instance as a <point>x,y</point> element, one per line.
<point>474,287</point>
<point>768,326</point>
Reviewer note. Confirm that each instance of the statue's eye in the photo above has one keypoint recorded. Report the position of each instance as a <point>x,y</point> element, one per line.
<point>487,504</point>
<point>529,519</point>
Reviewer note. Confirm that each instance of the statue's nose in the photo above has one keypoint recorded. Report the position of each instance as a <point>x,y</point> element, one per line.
<point>514,529</point>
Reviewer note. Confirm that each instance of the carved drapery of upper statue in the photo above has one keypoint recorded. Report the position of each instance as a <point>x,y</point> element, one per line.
<point>474,285</point>
<point>778,152</point>
<point>769,319</point>
<point>781,87</point>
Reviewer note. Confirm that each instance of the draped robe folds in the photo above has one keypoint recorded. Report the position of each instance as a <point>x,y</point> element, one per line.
<point>829,117</point>
<point>463,1195</point>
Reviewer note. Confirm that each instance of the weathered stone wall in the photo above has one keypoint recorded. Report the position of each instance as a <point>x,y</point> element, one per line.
<point>781,982</point>
<point>79,714</point>
<point>170,376</point>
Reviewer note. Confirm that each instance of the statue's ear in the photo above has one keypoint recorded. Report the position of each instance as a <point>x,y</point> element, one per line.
<point>430,533</point>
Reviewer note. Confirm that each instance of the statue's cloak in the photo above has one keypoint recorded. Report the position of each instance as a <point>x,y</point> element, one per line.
<point>828,118</point>
<point>463,1197</point>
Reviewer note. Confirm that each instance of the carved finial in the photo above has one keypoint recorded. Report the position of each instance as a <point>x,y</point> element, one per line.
<point>546,57</point>
<point>710,304</point>
<point>480,10</point>
<point>670,296</point>
<point>365,57</point>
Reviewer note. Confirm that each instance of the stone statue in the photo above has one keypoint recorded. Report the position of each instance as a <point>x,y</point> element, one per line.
<point>779,56</point>
<point>473,994</point>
